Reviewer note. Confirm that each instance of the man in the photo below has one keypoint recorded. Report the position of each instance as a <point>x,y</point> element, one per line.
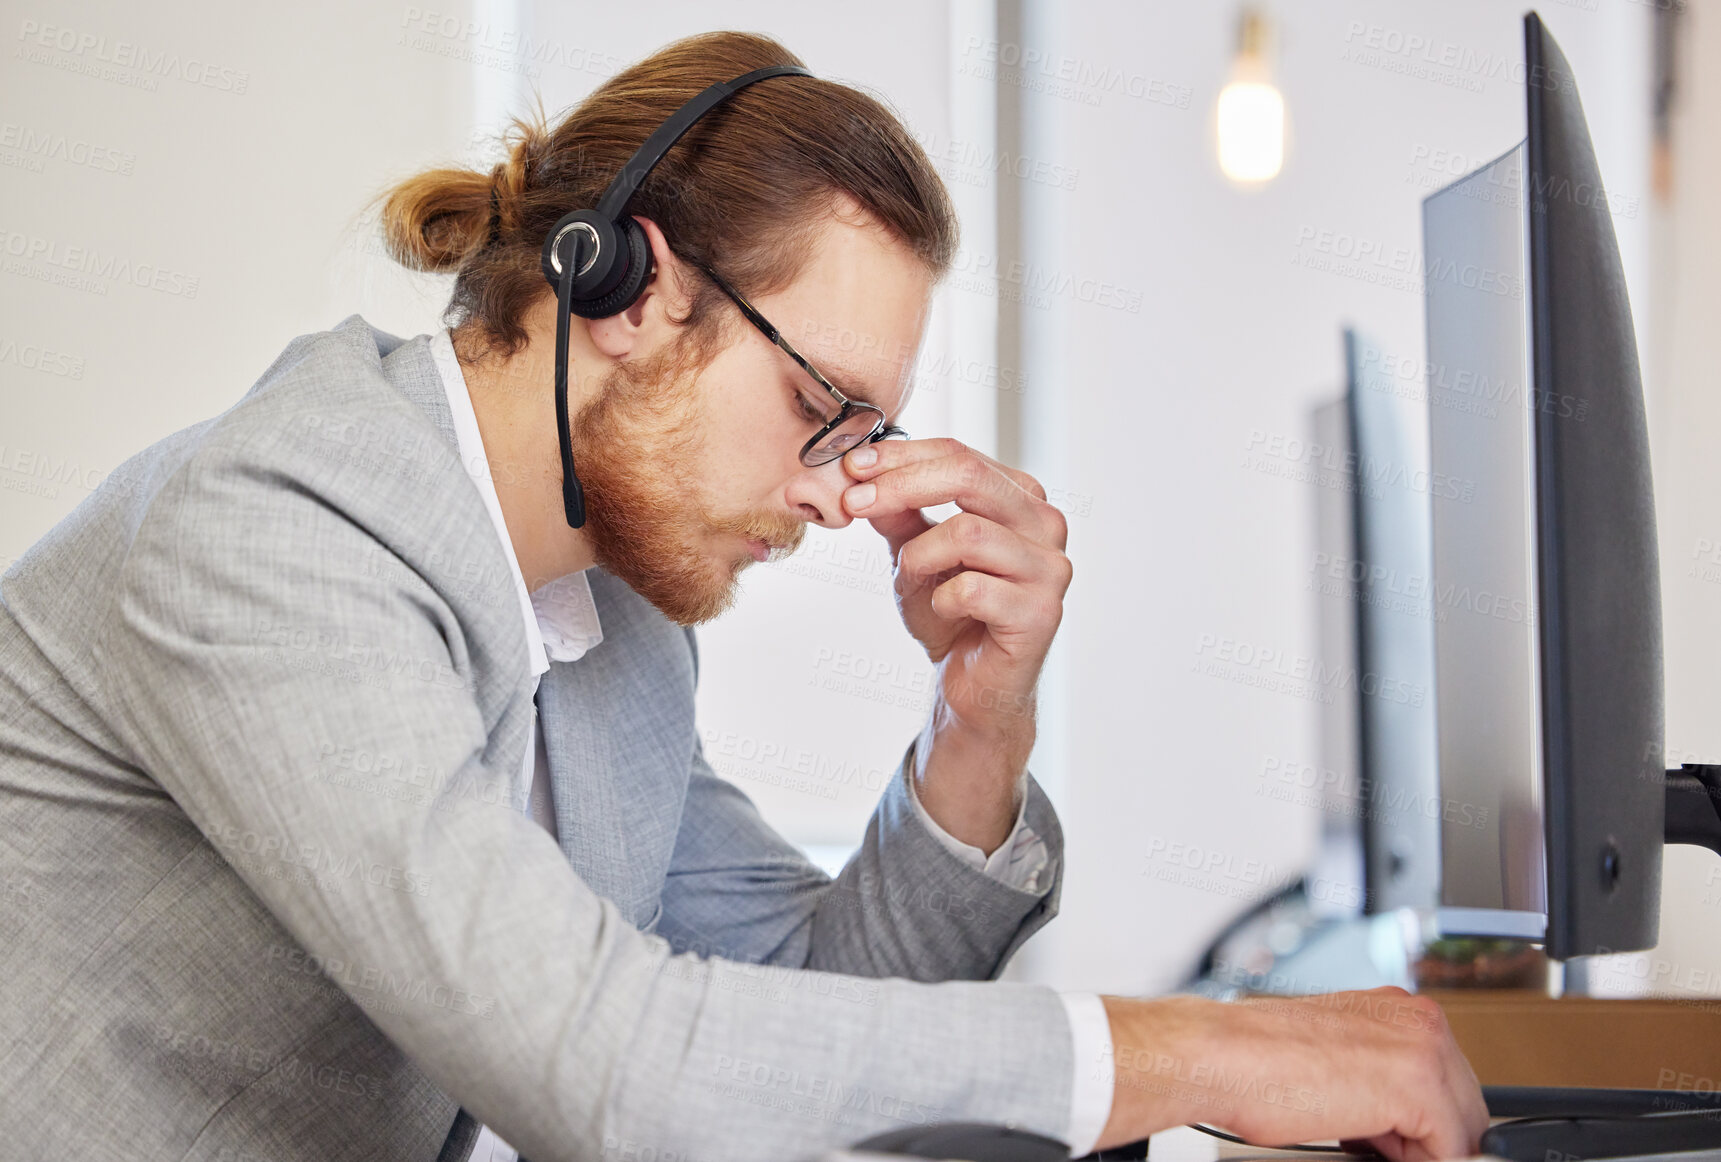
<point>353,806</point>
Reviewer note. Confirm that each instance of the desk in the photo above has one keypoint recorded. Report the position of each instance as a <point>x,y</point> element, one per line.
<point>1523,1038</point>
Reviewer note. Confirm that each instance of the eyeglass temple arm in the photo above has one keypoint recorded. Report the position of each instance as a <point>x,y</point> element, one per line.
<point>776,336</point>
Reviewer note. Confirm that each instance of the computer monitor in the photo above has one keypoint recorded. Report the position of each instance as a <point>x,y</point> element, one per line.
<point>1548,670</point>
<point>1370,572</point>
<point>1346,922</point>
<point>1489,551</point>
<point>1399,787</point>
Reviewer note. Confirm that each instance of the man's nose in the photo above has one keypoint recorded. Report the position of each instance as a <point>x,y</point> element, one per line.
<point>818,494</point>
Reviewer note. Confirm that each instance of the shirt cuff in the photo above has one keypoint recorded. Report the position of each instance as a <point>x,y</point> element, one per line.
<point>1091,1089</point>
<point>1020,860</point>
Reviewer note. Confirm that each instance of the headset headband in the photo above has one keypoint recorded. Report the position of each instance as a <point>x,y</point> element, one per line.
<point>640,165</point>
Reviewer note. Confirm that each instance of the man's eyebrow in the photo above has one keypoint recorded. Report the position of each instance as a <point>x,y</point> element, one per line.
<point>845,385</point>
<point>842,382</point>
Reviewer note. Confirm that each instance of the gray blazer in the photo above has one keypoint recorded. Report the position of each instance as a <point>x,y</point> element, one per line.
<point>267,890</point>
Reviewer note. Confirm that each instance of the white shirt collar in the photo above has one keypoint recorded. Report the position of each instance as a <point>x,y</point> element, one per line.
<point>560,617</point>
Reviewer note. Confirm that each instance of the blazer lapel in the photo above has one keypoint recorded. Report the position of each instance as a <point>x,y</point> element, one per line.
<point>411,369</point>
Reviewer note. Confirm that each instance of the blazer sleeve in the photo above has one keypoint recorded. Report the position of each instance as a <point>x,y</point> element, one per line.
<point>904,905</point>
<point>246,606</point>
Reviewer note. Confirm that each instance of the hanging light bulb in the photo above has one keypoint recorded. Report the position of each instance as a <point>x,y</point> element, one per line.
<point>1251,110</point>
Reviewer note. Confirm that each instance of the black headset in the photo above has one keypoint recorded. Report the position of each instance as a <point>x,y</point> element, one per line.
<point>600,260</point>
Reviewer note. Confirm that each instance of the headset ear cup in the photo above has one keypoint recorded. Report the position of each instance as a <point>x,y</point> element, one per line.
<point>639,269</point>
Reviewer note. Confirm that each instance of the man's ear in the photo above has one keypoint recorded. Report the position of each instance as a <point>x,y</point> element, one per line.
<point>648,321</point>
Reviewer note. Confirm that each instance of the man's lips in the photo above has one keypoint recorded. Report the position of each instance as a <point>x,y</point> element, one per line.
<point>760,549</point>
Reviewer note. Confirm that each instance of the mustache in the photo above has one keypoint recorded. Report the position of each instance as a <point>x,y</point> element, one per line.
<point>782,535</point>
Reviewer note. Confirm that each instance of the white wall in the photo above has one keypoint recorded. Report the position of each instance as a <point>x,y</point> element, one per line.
<point>191,172</point>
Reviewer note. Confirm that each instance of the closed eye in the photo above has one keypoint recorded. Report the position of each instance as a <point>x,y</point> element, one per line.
<point>807,411</point>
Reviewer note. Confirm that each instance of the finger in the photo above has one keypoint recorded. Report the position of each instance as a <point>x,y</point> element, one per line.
<point>1469,1109</point>
<point>1475,1107</point>
<point>973,484</point>
<point>1479,1123</point>
<point>900,528</point>
<point>1005,607</point>
<point>1440,1131</point>
<point>969,541</point>
<point>891,455</point>
<point>895,453</point>
<point>897,528</point>
<point>1461,1081</point>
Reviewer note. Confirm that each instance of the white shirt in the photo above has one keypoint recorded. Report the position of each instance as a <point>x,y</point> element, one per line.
<point>561,622</point>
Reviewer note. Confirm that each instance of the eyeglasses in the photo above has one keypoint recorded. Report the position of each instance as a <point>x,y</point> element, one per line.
<point>855,423</point>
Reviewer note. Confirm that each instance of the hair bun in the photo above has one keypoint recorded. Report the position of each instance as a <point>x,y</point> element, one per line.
<point>433,220</point>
